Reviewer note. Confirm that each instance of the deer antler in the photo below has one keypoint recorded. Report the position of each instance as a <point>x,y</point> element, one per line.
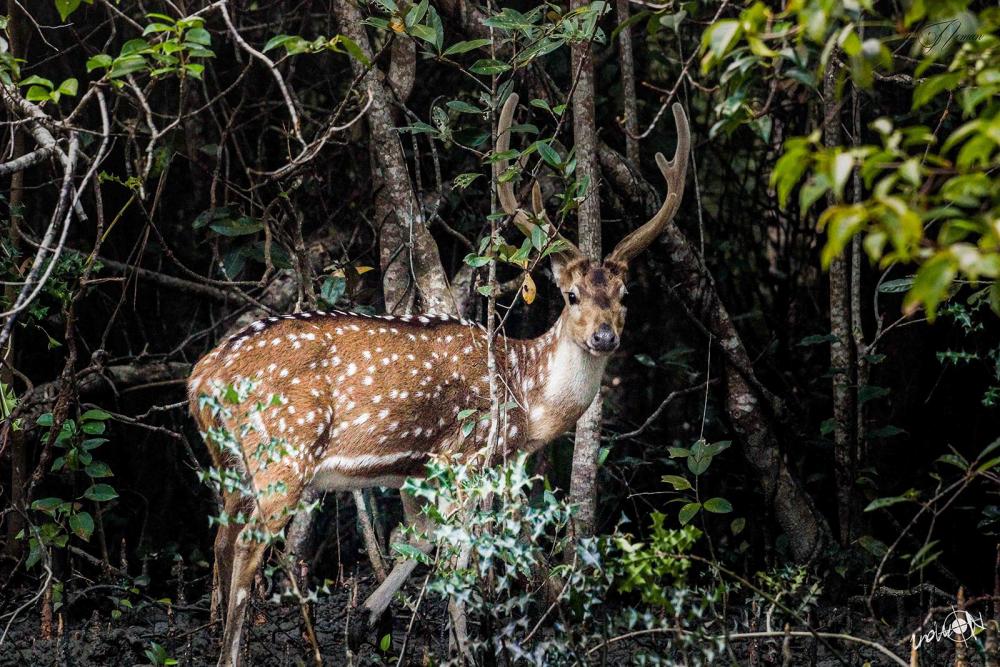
<point>505,191</point>
<point>674,173</point>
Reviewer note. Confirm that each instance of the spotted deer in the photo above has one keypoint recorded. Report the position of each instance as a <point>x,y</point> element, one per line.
<point>366,400</point>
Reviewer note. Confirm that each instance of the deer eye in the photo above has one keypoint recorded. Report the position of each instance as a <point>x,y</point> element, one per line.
<point>573,298</point>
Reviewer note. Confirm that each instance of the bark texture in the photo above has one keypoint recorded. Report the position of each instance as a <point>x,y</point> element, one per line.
<point>583,481</point>
<point>627,63</point>
<point>840,345</point>
<point>407,252</point>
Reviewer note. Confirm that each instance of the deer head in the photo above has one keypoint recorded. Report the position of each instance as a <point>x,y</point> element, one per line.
<point>594,313</point>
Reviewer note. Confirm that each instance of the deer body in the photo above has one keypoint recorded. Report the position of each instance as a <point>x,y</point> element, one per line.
<point>361,401</point>
<point>339,401</point>
<point>345,401</point>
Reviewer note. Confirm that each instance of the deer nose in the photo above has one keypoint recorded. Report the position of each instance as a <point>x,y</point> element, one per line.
<point>604,339</point>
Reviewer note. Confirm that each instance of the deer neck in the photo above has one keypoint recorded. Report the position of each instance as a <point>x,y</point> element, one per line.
<point>558,381</point>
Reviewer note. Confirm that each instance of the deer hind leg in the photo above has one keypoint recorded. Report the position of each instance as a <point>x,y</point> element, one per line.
<point>272,514</point>
<point>225,543</point>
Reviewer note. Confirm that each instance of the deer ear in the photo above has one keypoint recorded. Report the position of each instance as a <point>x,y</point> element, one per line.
<point>559,262</point>
<point>562,260</point>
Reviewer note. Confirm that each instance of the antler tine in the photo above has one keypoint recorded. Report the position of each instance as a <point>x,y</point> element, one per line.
<point>505,191</point>
<point>674,173</point>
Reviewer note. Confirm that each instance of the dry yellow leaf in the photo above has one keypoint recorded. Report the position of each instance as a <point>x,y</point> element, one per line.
<point>528,290</point>
<point>397,26</point>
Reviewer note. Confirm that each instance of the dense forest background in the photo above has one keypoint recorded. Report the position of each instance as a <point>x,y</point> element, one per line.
<point>794,455</point>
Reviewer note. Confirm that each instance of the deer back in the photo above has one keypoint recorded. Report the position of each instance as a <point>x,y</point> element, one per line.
<point>347,400</point>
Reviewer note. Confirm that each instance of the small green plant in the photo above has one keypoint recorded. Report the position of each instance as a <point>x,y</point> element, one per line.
<point>699,457</point>
<point>157,655</point>
<point>78,438</point>
<point>171,49</point>
<point>42,90</point>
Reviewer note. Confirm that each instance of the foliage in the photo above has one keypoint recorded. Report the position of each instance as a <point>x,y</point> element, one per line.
<point>928,199</point>
<point>63,519</point>
<point>511,542</point>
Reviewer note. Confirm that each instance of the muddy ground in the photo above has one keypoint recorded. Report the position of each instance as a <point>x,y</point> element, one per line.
<point>85,635</point>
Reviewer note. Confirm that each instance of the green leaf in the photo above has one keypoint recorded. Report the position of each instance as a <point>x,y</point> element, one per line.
<point>879,503</point>
<point>93,428</point>
<point>333,289</point>
<point>153,28</point>
<point>870,392</point>
<point>931,284</point>
<point>688,512</point>
<point>45,420</point>
<point>35,80</point>
<point>125,65</point>
<point>679,483</point>
<point>475,261</point>
<point>463,107</point>
<point>100,493</point>
<point>718,505</point>
<point>873,546</point>
<point>38,94</point>
<point>240,226</point>
<point>410,552</point>
<point>385,643</point>
<point>700,458</point>
<point>930,87</point>
<point>95,415</point>
<point>134,47</point>
<point>549,154</point>
<point>717,40</point>
<point>46,504</point>
<point>278,40</point>
<point>538,237</point>
<point>737,525</point>
<point>489,66</point>
<point>463,47</point>
<point>198,36</point>
<point>98,469</point>
<point>465,414</point>
<point>82,525</point>
<point>424,32</point>
<point>66,8</point>
<point>100,61</point>
<point>645,360</point>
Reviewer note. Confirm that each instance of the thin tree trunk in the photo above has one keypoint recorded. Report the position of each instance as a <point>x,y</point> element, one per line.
<point>16,443</point>
<point>840,345</point>
<point>627,64</point>
<point>860,345</point>
<point>583,481</point>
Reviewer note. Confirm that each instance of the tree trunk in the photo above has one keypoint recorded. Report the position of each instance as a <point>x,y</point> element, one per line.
<point>15,439</point>
<point>840,345</point>
<point>627,64</point>
<point>583,481</point>
<point>407,251</point>
<point>749,406</point>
